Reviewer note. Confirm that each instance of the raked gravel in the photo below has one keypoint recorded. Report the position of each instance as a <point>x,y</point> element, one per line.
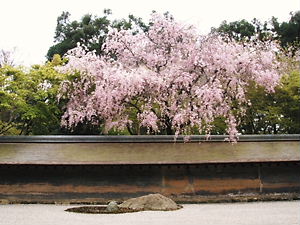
<point>259,213</point>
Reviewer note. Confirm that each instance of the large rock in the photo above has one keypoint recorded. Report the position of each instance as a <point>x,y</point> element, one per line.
<point>150,202</point>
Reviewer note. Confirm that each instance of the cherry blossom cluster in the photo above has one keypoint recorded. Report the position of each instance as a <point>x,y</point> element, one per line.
<point>172,77</point>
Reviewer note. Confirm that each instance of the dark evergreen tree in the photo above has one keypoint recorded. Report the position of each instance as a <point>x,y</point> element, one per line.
<point>90,31</point>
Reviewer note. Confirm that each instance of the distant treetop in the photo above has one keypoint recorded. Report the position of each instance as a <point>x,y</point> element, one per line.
<point>90,31</point>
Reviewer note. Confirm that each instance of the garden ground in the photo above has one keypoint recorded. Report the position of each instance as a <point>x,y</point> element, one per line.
<point>259,213</point>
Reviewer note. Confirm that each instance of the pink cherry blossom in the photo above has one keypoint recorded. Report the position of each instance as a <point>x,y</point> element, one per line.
<point>174,78</point>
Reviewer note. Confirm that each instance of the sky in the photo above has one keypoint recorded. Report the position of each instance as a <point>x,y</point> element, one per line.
<point>27,27</point>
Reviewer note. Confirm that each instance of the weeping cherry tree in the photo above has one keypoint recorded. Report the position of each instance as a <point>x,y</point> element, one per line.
<point>172,78</point>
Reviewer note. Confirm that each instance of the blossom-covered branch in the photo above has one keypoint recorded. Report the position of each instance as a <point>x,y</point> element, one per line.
<point>178,78</point>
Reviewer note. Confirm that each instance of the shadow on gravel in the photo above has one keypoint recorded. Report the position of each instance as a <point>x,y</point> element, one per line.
<point>99,210</point>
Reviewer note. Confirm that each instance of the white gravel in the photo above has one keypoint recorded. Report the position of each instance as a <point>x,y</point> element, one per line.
<point>261,213</point>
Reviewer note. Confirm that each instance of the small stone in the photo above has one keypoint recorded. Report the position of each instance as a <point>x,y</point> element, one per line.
<point>112,207</point>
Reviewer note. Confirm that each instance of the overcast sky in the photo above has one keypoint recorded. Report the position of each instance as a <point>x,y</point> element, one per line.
<point>29,25</point>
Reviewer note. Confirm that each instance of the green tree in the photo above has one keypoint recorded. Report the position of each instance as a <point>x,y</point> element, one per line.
<point>243,30</point>
<point>274,113</point>
<point>28,100</point>
<point>238,30</point>
<point>288,33</point>
<point>90,31</point>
